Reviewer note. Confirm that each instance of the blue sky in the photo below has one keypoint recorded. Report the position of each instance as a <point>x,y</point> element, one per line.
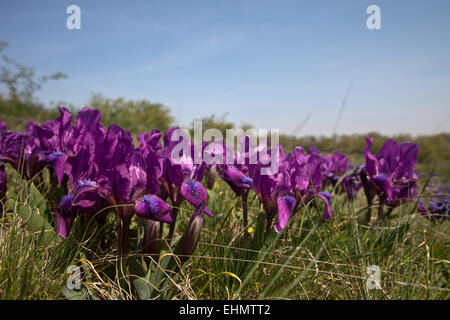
<point>267,63</point>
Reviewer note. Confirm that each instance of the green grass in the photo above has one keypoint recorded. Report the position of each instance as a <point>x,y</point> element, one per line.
<point>308,260</point>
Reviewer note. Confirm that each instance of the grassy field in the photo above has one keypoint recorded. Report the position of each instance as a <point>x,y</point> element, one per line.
<point>310,259</point>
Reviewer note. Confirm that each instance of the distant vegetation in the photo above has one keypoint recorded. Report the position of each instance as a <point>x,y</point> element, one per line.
<point>434,149</point>
<point>136,116</point>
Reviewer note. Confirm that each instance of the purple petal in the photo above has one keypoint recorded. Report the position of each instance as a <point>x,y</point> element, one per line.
<point>285,206</point>
<point>86,196</point>
<point>3,127</point>
<point>236,179</point>
<point>88,118</point>
<point>390,153</point>
<point>421,206</point>
<point>340,163</point>
<point>385,185</point>
<point>58,161</point>
<point>371,162</point>
<point>153,208</point>
<point>194,192</point>
<point>150,141</point>
<point>326,197</point>
<point>64,216</point>
<point>409,152</point>
<point>314,171</point>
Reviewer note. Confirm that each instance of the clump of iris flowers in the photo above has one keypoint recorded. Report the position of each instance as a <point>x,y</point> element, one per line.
<point>389,175</point>
<point>438,208</point>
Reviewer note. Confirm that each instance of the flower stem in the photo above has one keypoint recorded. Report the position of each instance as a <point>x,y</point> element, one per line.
<point>369,210</point>
<point>389,211</point>
<point>172,226</point>
<point>380,209</point>
<point>245,208</point>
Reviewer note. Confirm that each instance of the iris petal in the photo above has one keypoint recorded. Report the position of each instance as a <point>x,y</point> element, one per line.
<point>58,161</point>
<point>153,208</point>
<point>236,179</point>
<point>194,192</point>
<point>326,197</point>
<point>385,184</point>
<point>371,162</point>
<point>64,216</point>
<point>285,206</point>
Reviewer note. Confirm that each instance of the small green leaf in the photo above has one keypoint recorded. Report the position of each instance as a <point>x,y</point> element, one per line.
<point>140,284</point>
<point>37,223</point>
<point>38,201</point>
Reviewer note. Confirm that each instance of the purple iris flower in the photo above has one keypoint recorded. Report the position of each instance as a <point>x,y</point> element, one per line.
<point>306,178</point>
<point>154,208</point>
<point>215,153</point>
<point>105,169</point>
<point>149,147</point>
<point>247,152</point>
<point>181,178</point>
<point>85,200</point>
<point>57,160</point>
<point>333,167</point>
<point>149,141</point>
<point>237,174</point>
<point>23,150</point>
<point>174,172</point>
<point>10,143</point>
<point>351,184</point>
<point>82,144</point>
<point>274,193</point>
<point>390,174</point>
<point>125,175</point>
<point>439,206</point>
<point>194,192</point>
<point>56,146</point>
<point>237,181</point>
<point>285,206</point>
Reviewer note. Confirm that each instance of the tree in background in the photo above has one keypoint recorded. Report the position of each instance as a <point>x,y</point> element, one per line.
<point>136,116</point>
<point>212,122</point>
<point>20,81</point>
<point>18,104</point>
<point>19,85</point>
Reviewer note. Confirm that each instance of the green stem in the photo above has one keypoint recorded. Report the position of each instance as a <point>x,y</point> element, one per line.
<point>245,208</point>
<point>172,226</point>
<point>380,209</point>
<point>369,211</point>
